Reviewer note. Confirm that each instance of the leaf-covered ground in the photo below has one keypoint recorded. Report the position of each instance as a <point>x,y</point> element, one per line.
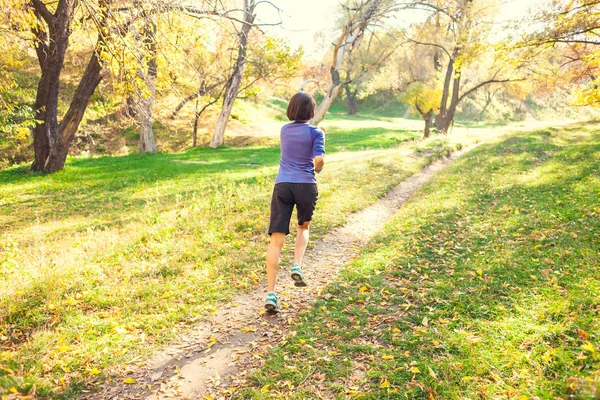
<point>486,285</point>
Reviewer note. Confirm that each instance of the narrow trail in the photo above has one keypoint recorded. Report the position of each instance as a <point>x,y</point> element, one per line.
<point>220,354</point>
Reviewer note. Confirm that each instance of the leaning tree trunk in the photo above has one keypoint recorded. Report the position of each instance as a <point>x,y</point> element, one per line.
<point>218,138</point>
<point>445,122</point>
<point>351,37</point>
<point>70,122</point>
<point>145,101</point>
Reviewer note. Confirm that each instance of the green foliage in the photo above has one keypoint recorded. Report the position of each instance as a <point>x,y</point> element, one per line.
<point>485,285</point>
<point>272,59</point>
<point>423,97</point>
<point>15,134</point>
<point>16,106</point>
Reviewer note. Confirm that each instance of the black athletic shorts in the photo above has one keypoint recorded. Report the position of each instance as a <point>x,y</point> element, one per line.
<point>285,195</point>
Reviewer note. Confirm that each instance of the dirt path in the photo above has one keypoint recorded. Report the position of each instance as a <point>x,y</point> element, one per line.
<point>220,354</point>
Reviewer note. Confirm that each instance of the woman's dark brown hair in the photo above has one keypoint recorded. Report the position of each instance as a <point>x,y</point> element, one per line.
<point>301,107</point>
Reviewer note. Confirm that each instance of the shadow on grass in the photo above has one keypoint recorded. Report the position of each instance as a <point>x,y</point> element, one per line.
<point>106,187</point>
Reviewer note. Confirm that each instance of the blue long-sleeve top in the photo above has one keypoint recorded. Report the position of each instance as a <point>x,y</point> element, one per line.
<point>300,144</point>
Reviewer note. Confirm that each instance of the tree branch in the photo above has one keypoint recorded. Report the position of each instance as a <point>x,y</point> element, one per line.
<point>468,92</point>
<point>43,12</point>
<point>430,44</point>
<point>437,9</point>
<point>201,91</point>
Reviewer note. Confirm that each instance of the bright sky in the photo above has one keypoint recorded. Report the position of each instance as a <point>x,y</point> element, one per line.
<point>311,22</point>
<point>302,20</point>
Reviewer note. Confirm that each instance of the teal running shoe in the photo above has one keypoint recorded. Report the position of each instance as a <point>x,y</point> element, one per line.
<point>298,276</point>
<point>272,303</point>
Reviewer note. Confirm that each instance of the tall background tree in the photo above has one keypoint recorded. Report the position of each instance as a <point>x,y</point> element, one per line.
<point>459,31</point>
<point>235,79</point>
<point>358,16</point>
<point>570,33</point>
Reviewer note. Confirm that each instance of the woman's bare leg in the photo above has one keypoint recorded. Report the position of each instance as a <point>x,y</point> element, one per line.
<point>273,253</point>
<point>301,242</point>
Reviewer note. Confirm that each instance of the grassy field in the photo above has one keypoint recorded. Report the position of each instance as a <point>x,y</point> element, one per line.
<point>485,285</point>
<point>115,256</point>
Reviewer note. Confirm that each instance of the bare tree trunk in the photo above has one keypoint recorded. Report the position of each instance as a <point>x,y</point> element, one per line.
<point>351,36</point>
<point>350,95</point>
<point>218,138</point>
<point>427,117</point>
<point>448,118</point>
<point>351,100</point>
<point>441,116</point>
<point>51,139</point>
<point>70,122</point>
<point>43,129</point>
<point>196,118</point>
<point>146,100</point>
<point>51,45</point>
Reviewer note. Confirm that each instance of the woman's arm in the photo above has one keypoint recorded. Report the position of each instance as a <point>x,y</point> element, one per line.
<point>319,163</point>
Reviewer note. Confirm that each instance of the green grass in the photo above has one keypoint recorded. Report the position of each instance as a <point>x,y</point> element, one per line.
<point>485,285</point>
<point>113,257</point>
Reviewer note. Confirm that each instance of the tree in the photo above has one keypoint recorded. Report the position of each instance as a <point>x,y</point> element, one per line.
<point>571,31</point>
<point>363,62</point>
<point>425,100</point>
<point>52,31</point>
<point>147,92</point>
<point>235,79</point>
<point>462,28</point>
<point>268,59</point>
<point>51,25</point>
<point>359,15</point>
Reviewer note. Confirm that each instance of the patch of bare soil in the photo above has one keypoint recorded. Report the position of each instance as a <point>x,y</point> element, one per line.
<point>221,353</point>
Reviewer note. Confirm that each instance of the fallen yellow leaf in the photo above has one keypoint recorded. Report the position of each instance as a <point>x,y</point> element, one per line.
<point>432,373</point>
<point>589,347</point>
<point>384,384</point>
<point>129,381</point>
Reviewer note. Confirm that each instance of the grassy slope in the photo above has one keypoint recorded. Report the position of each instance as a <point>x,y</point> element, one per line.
<point>114,256</point>
<point>486,285</point>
